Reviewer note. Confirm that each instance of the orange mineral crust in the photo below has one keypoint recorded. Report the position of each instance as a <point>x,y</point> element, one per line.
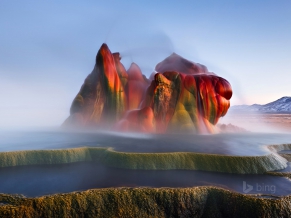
<point>139,120</point>
<point>182,96</point>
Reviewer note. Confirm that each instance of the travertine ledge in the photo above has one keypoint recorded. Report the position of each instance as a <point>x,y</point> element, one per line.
<point>148,161</point>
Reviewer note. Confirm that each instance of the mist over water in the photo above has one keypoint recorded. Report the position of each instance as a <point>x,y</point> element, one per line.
<point>248,144</point>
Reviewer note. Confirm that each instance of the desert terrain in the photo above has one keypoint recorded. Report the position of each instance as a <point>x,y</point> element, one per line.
<point>260,122</point>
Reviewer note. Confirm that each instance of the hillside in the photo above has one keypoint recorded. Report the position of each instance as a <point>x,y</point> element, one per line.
<point>282,105</point>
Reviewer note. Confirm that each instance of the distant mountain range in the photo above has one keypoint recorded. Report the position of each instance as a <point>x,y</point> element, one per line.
<point>282,105</point>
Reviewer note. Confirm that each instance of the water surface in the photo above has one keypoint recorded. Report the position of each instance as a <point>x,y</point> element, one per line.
<point>250,144</point>
<point>41,180</point>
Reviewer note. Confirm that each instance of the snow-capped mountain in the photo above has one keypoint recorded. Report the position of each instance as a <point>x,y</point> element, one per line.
<point>281,105</point>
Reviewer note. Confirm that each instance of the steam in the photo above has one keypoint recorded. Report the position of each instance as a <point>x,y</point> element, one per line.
<point>258,122</point>
<point>146,46</point>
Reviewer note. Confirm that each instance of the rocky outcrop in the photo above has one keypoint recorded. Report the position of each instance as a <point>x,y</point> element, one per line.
<point>179,64</point>
<point>136,86</point>
<point>182,96</point>
<point>189,99</point>
<point>102,98</point>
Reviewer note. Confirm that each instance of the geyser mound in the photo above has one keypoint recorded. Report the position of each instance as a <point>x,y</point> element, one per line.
<point>182,96</point>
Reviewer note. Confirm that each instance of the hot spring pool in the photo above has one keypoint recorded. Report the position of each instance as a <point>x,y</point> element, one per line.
<point>44,179</point>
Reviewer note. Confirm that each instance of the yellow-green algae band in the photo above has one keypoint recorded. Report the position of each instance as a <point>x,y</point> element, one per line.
<point>148,161</point>
<point>146,202</point>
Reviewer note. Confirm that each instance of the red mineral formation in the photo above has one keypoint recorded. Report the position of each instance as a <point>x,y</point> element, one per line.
<point>181,97</point>
<point>185,97</point>
<point>101,98</point>
<point>136,86</point>
<point>139,120</point>
<point>176,63</point>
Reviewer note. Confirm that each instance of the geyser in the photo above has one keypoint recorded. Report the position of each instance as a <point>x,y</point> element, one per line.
<point>181,96</point>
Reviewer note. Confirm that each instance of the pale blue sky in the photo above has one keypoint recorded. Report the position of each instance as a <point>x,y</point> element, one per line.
<point>47,48</point>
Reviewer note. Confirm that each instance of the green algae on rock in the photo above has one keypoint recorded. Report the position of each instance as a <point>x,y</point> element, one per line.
<point>148,161</point>
<point>146,202</point>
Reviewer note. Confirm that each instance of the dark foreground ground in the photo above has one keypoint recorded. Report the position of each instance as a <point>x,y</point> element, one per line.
<point>146,202</point>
